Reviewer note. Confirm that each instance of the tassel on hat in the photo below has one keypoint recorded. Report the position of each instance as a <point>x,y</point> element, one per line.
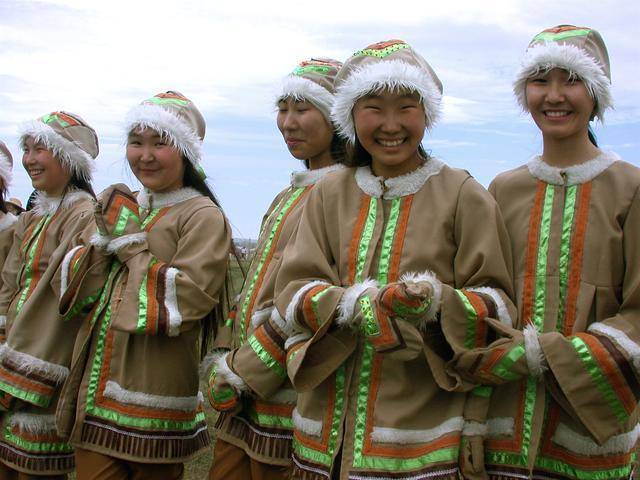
<point>578,50</point>
<point>391,65</point>
<point>69,137</point>
<point>6,165</point>
<point>312,80</point>
<point>176,118</point>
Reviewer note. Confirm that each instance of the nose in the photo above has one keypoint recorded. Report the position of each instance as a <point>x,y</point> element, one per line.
<point>290,121</point>
<point>146,155</point>
<point>390,123</point>
<point>555,92</point>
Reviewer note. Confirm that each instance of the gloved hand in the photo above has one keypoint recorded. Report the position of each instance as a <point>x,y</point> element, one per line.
<point>407,300</point>
<point>225,387</point>
<point>117,212</point>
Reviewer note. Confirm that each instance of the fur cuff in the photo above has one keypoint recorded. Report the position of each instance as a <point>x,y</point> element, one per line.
<point>100,241</point>
<point>536,361</point>
<point>295,339</point>
<point>436,285</point>
<point>260,316</point>
<point>392,75</point>
<point>223,370</point>
<point>631,348</point>
<point>280,322</point>
<point>347,305</point>
<point>501,308</point>
<point>124,241</point>
<point>66,265</point>
<point>293,305</point>
<point>549,55</point>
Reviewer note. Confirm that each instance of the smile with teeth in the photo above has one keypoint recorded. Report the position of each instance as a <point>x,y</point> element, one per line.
<point>390,143</point>
<point>35,172</point>
<point>556,113</point>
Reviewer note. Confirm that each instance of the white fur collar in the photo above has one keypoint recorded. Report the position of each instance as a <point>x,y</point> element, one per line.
<point>148,199</point>
<point>46,205</point>
<point>395,187</point>
<point>7,220</point>
<point>311,177</point>
<point>575,174</point>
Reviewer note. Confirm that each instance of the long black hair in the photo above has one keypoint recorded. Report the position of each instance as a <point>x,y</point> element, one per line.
<point>192,178</point>
<point>3,192</point>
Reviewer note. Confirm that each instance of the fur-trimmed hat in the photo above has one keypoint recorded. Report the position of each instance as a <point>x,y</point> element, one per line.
<point>391,65</point>
<point>579,50</point>
<point>312,80</point>
<point>69,137</point>
<point>6,164</point>
<point>175,117</point>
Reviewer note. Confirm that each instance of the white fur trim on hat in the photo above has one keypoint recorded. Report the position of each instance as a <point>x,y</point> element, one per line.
<point>392,75</point>
<point>347,305</point>
<point>300,89</point>
<point>179,134</point>
<point>311,177</point>
<point>498,301</point>
<point>72,157</point>
<point>573,175</point>
<point>536,360</point>
<point>549,55</point>
<point>436,285</point>
<point>5,169</point>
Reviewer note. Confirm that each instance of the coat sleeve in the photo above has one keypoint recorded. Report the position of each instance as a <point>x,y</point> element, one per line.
<point>598,370</point>
<point>308,295</point>
<point>481,293</point>
<point>10,271</point>
<point>164,298</point>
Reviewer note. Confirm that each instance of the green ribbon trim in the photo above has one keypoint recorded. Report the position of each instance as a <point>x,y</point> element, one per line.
<point>600,379</point>
<point>565,250</point>
<point>266,358</point>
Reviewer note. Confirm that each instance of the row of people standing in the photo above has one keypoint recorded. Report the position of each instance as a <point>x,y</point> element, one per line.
<point>377,315</point>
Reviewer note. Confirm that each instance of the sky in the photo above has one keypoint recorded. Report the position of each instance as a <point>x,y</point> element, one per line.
<point>99,59</point>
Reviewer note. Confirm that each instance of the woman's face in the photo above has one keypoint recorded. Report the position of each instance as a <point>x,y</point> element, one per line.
<point>304,128</point>
<point>560,104</point>
<point>45,170</point>
<point>390,126</point>
<point>154,162</point>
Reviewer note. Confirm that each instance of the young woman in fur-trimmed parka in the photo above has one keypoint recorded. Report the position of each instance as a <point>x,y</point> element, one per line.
<point>132,405</point>
<point>392,269</point>
<point>566,404</point>
<point>7,221</point>
<point>254,432</point>
<point>59,150</point>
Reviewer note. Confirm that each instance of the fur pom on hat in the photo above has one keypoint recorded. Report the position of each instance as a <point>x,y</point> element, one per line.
<point>391,65</point>
<point>6,165</point>
<point>174,116</point>
<point>69,137</point>
<point>579,50</point>
<point>312,80</point>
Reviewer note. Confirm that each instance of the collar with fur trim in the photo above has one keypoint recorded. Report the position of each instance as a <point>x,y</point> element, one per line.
<point>573,175</point>
<point>311,177</point>
<point>395,187</point>
<point>7,220</point>
<point>148,199</point>
<point>46,205</point>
